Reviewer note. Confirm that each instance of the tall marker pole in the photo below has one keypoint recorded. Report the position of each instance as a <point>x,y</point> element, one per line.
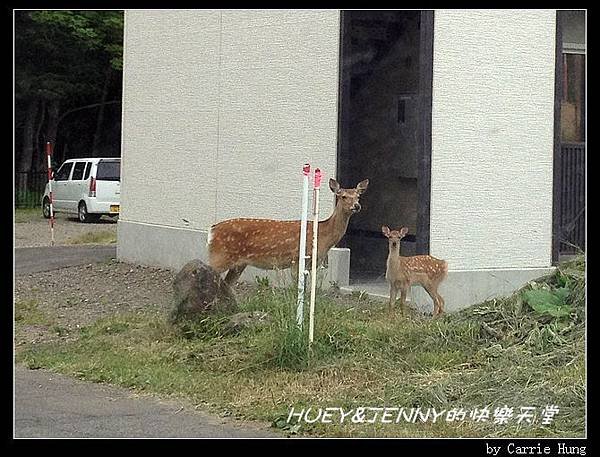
<point>313,279</point>
<point>48,155</point>
<point>302,254</point>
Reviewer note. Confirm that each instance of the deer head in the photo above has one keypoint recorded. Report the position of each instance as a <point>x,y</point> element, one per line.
<point>348,198</point>
<point>394,236</point>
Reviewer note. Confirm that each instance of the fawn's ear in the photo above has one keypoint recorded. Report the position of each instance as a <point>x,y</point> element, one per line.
<point>334,185</point>
<point>403,232</point>
<point>385,230</point>
<point>361,187</point>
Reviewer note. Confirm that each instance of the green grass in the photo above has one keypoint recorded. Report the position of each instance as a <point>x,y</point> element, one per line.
<point>27,214</point>
<point>500,352</point>
<point>28,312</point>
<point>101,237</point>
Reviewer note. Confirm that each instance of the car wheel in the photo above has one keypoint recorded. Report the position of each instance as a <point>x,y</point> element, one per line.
<point>84,216</point>
<point>46,208</point>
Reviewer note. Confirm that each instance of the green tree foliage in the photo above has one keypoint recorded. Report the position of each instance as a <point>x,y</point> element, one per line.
<point>90,30</point>
<point>64,60</point>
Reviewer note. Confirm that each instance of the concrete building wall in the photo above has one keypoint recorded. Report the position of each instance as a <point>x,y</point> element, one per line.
<point>170,117</point>
<point>492,138</point>
<point>221,109</point>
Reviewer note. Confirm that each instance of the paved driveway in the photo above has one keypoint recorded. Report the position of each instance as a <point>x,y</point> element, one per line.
<point>52,405</point>
<point>33,260</point>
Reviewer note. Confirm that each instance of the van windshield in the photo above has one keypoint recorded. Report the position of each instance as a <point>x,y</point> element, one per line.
<point>109,170</point>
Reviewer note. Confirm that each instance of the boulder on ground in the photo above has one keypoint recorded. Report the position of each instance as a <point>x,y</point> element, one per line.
<point>199,290</point>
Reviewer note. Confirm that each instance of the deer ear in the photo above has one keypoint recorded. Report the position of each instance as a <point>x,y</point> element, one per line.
<point>334,185</point>
<point>403,232</point>
<point>385,230</point>
<point>361,187</point>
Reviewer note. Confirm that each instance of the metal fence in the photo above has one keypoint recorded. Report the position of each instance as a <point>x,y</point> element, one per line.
<point>572,198</point>
<point>29,188</point>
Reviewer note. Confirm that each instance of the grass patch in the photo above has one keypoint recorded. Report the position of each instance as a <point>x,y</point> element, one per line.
<point>27,214</point>
<point>28,312</point>
<point>502,352</point>
<point>101,237</point>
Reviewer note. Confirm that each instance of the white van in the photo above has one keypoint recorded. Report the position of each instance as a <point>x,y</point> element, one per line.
<point>86,187</point>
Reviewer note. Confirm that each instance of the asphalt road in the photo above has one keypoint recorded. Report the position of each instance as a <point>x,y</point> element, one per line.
<point>33,260</point>
<point>52,405</point>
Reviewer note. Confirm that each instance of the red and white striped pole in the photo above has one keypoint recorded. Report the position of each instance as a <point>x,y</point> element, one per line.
<point>48,155</point>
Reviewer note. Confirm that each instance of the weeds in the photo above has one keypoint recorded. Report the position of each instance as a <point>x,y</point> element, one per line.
<point>502,352</point>
<point>28,312</point>
<point>101,237</point>
<point>27,214</point>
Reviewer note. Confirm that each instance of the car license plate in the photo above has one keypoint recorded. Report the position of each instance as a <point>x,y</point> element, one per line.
<point>114,208</point>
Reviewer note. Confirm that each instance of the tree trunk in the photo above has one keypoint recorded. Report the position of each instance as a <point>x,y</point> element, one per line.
<point>39,153</point>
<point>24,163</point>
<point>52,125</point>
<point>100,118</point>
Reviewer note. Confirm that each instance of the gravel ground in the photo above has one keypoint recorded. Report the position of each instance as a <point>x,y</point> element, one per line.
<point>76,296</point>
<point>73,297</point>
<point>34,230</point>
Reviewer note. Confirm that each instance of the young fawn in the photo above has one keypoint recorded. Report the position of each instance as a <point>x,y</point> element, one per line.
<point>269,244</point>
<point>403,272</point>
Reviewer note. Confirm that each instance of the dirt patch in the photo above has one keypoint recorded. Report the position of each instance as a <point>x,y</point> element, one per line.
<point>32,230</point>
<point>77,296</point>
<point>53,305</point>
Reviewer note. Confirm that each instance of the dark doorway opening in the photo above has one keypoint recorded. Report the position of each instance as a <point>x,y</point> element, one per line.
<point>384,131</point>
<point>569,225</point>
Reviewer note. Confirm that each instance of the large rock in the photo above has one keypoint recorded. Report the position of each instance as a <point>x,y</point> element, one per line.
<point>199,290</point>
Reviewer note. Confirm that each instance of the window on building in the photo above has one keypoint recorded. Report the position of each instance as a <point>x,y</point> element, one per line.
<point>573,99</point>
<point>573,76</point>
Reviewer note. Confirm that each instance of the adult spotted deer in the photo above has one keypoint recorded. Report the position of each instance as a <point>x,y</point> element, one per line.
<point>271,244</point>
<point>402,272</point>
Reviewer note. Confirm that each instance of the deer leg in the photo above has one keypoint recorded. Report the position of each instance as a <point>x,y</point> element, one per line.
<point>393,293</point>
<point>234,274</point>
<point>403,291</point>
<point>434,296</point>
<point>441,303</point>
